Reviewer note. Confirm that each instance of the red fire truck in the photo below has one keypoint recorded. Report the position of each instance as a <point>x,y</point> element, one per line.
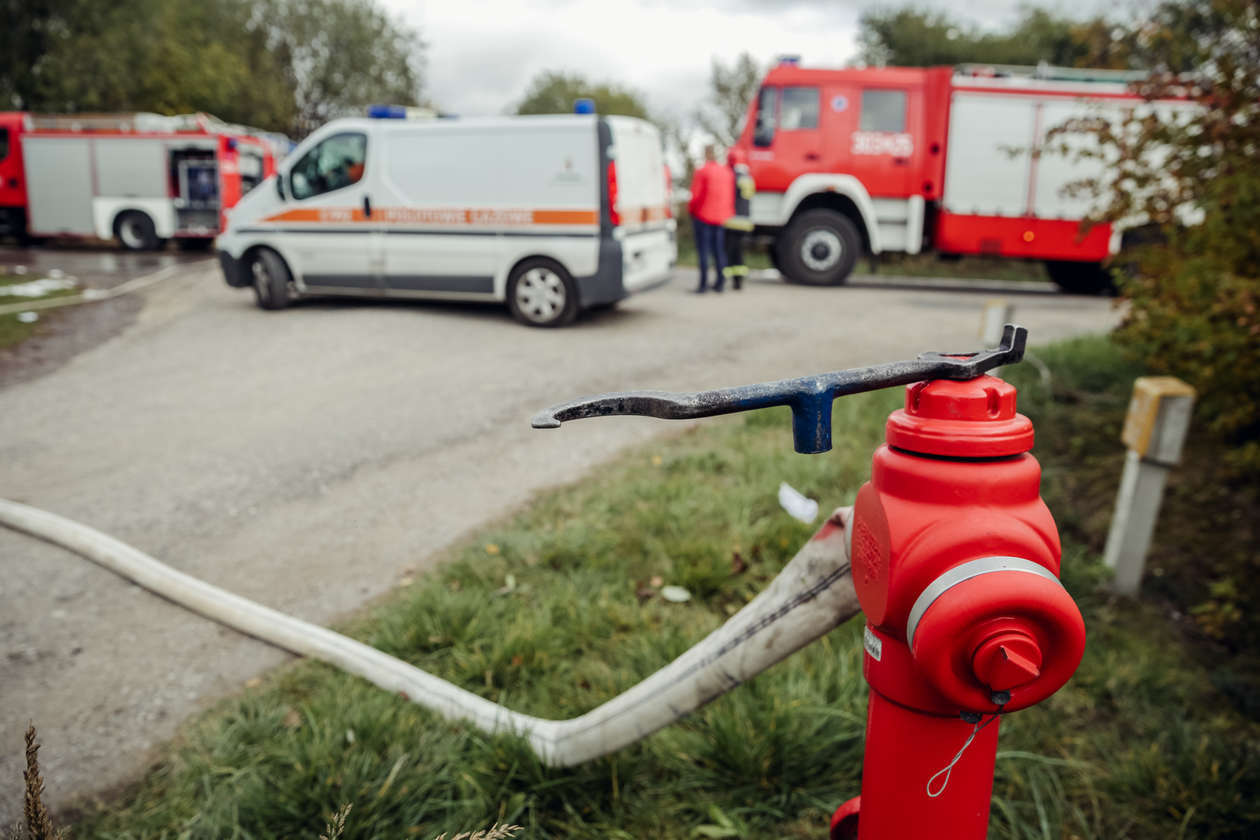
<point>139,178</point>
<point>943,159</point>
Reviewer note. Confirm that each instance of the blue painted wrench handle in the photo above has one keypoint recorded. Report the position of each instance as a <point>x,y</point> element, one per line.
<point>809,397</point>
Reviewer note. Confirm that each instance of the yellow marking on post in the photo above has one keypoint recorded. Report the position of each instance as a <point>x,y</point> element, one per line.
<point>1139,422</point>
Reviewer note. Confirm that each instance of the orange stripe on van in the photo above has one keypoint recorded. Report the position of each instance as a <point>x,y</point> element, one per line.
<point>436,216</point>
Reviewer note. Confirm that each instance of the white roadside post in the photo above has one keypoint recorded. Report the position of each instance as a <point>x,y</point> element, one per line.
<point>997,313</point>
<point>1154,431</point>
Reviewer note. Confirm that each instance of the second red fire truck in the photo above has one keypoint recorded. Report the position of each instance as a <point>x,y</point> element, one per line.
<point>138,178</point>
<point>901,160</point>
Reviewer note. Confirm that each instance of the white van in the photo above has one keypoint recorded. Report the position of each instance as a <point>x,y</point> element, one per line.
<point>551,214</point>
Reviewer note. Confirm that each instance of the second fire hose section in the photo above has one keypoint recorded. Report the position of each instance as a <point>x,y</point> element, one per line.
<point>812,595</point>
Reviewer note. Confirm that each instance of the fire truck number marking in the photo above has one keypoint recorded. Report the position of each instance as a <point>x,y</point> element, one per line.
<point>882,143</point>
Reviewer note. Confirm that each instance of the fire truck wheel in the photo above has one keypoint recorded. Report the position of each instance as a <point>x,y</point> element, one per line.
<point>1081,278</point>
<point>271,279</point>
<point>134,229</point>
<point>540,293</point>
<point>819,248</point>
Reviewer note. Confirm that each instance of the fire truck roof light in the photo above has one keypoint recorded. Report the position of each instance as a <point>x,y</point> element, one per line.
<point>387,112</point>
<point>789,60</point>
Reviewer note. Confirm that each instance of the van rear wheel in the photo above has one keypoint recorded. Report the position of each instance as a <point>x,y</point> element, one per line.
<point>271,280</point>
<point>540,293</point>
<point>819,248</point>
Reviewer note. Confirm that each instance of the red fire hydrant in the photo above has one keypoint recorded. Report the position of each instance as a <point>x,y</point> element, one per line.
<point>956,563</point>
<point>956,560</point>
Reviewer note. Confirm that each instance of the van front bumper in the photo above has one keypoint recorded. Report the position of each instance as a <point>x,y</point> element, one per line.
<point>234,273</point>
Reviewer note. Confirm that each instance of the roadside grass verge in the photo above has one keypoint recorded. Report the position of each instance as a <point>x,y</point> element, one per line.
<point>13,330</point>
<point>547,613</point>
<point>757,256</point>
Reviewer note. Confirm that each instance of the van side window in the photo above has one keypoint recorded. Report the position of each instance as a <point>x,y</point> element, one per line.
<point>799,109</point>
<point>763,133</point>
<point>335,163</point>
<point>883,110</point>
<point>4,143</point>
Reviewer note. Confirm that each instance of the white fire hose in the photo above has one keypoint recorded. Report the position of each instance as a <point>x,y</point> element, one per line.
<point>812,595</point>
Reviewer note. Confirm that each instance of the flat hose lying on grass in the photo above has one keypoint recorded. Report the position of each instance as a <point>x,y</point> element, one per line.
<point>812,595</point>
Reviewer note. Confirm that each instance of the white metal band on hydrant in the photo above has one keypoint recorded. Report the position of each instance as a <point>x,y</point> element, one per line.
<point>967,571</point>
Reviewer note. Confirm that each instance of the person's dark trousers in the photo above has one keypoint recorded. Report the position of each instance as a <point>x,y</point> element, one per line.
<point>735,268</point>
<point>710,242</point>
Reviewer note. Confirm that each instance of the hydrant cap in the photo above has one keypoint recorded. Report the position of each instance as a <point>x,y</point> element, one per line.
<point>975,418</point>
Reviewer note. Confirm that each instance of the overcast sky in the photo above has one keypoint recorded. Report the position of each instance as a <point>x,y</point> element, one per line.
<point>483,53</point>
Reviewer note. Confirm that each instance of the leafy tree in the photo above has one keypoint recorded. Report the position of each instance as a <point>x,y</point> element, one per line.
<point>912,37</point>
<point>343,54</point>
<point>731,89</point>
<point>284,65</point>
<point>30,28</point>
<point>165,57</point>
<point>553,92</point>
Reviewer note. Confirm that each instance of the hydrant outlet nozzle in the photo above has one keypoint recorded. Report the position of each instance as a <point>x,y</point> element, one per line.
<point>1007,660</point>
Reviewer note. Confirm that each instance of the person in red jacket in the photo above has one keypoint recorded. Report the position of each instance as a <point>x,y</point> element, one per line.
<point>712,203</point>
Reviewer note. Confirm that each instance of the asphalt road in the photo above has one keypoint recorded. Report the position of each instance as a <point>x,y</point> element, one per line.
<point>309,458</point>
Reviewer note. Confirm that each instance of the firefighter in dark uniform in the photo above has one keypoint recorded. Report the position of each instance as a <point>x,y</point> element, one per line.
<point>739,225</point>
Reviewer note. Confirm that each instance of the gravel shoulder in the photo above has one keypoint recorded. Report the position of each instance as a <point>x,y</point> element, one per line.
<point>311,457</point>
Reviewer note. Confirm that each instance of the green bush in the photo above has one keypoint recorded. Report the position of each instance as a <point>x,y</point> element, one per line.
<point>1195,316</point>
<point>1192,175</point>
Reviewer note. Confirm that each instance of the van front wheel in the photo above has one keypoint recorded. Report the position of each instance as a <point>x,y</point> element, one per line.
<point>541,294</point>
<point>271,279</point>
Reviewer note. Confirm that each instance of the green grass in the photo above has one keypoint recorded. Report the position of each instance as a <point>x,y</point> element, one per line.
<point>13,331</point>
<point>1139,745</point>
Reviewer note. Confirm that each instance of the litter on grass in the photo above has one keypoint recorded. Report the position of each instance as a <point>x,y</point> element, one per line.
<point>797,505</point>
<point>676,594</point>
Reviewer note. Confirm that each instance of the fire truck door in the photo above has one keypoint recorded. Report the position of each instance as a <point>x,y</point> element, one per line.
<point>787,140</point>
<point>883,150</point>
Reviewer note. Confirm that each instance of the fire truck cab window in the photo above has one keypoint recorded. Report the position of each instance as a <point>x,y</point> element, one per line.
<point>335,163</point>
<point>884,110</point>
<point>763,133</point>
<point>799,108</point>
<point>4,143</point>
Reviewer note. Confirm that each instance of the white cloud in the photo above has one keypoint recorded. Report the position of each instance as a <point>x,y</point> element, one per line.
<point>483,53</point>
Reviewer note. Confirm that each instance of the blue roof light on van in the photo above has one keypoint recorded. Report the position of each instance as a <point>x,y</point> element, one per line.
<point>584,106</point>
<point>387,112</point>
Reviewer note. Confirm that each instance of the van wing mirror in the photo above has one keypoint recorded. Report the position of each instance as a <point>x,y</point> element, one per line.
<point>280,186</point>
